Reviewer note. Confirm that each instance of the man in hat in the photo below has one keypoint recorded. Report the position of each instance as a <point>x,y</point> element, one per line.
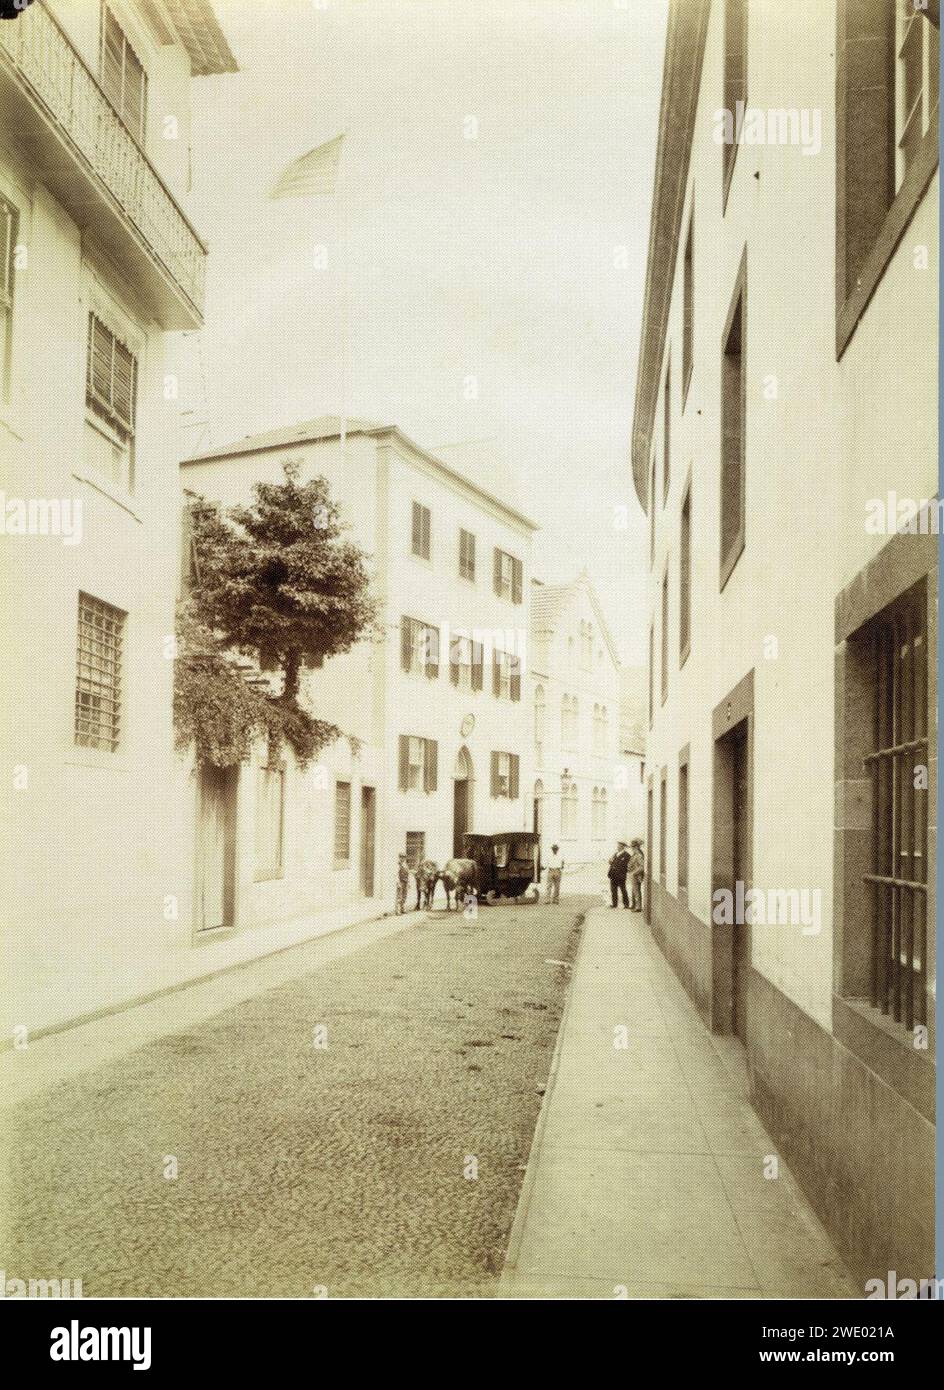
<point>637,872</point>
<point>619,868</point>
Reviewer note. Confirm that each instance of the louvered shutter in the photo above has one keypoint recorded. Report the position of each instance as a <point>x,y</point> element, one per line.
<point>478,666</point>
<point>496,671</point>
<point>455,651</point>
<point>99,362</point>
<point>432,652</point>
<point>430,764</point>
<point>427,521</point>
<point>123,385</point>
<point>417,540</point>
<point>404,762</point>
<point>517,581</point>
<point>497,572</point>
<point>495,774</point>
<point>516,678</point>
<point>406,643</point>
<point>513,776</point>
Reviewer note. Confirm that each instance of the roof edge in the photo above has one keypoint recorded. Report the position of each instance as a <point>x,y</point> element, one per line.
<point>681,82</point>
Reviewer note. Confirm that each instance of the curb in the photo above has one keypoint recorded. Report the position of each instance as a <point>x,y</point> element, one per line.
<point>516,1234</point>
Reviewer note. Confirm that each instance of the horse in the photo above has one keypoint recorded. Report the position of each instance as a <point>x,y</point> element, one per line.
<point>427,876</point>
<point>459,876</point>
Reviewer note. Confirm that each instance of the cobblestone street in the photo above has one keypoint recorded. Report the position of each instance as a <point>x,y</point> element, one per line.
<point>346,1167</point>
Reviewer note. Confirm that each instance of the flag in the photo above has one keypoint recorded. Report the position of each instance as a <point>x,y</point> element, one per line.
<point>313,173</point>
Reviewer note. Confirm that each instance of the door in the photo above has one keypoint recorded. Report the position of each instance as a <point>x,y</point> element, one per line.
<point>741,873</point>
<point>647,916</point>
<point>216,847</point>
<point>460,814</point>
<point>368,836</point>
<point>538,802</point>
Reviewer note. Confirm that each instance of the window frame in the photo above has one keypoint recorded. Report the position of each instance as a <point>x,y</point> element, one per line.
<point>421,535</point>
<point>733,85</point>
<point>685,573</point>
<point>737,310</point>
<point>120,107</point>
<point>342,841</point>
<point>104,742</point>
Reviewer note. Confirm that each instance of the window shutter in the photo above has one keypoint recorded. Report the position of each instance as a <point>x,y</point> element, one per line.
<point>430,764</point>
<point>404,762</point>
<point>432,652</point>
<point>517,581</point>
<point>124,386</point>
<point>496,672</point>
<point>99,362</point>
<point>8,223</point>
<point>406,643</point>
<point>497,572</point>
<point>516,678</point>
<point>494,774</point>
<point>454,660</point>
<point>478,666</point>
<point>426,516</point>
<point>417,529</point>
<point>513,776</point>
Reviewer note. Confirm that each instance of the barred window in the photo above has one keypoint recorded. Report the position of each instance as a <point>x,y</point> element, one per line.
<point>342,822</point>
<point>123,76</point>
<point>898,767</point>
<point>98,674</point>
<point>415,847</point>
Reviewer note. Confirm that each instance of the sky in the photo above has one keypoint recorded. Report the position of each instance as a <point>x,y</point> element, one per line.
<point>484,256</point>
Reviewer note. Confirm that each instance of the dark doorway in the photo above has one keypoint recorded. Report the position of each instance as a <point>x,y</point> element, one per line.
<point>732,867</point>
<point>461,800</point>
<point>648,849</point>
<point>215,889</point>
<point>368,839</point>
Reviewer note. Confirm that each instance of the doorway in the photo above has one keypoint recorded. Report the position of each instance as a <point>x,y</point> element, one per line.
<point>732,855</point>
<point>538,808</point>
<point>215,890</point>
<point>368,839</point>
<point>461,801</point>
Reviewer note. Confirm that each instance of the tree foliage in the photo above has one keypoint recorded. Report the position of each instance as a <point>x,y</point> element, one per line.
<point>278,585</point>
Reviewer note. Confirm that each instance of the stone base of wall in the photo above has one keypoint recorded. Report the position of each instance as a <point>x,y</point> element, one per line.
<point>862,1153</point>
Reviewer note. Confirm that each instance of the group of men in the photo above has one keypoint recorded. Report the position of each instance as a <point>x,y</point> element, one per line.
<point>627,864</point>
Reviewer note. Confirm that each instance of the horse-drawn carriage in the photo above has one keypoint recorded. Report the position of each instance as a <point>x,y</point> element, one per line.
<point>508,864</point>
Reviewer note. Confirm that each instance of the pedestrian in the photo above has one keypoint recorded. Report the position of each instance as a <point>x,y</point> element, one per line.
<point>555,867</point>
<point>637,872</point>
<point>616,873</point>
<point>403,882</point>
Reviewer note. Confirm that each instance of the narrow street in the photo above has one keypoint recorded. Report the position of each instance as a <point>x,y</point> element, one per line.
<point>387,1162</point>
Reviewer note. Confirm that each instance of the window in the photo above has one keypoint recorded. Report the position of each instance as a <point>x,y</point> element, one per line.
<point>505,775</point>
<point>419,761</point>
<point>887,140</point>
<point>917,76</point>
<point>419,647</point>
<point>9,222</point>
<point>733,396</point>
<point>685,577</point>
<point>898,876</point>
<point>666,434</point>
<point>683,824</point>
<point>123,76</point>
<point>598,814</point>
<point>342,823</point>
<point>98,674</point>
<point>466,555</point>
<point>652,510</point>
<point>421,531</point>
<point>466,663</point>
<point>540,711</point>
<point>569,721</point>
<point>509,576</point>
<point>110,391</point>
<point>665,634</point>
<point>569,808</point>
<point>415,847</point>
<point>735,81</point>
<point>270,821</point>
<point>688,306</point>
<point>506,675</point>
<point>663,825</point>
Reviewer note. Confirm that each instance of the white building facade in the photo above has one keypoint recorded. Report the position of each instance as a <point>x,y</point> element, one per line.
<point>100,269</point>
<point>435,708</point>
<point>575,707</point>
<point>791,741</point>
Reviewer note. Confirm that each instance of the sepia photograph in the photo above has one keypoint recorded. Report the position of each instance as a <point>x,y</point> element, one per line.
<point>469,522</point>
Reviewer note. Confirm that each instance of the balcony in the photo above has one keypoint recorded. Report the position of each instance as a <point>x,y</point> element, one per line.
<point>54,109</point>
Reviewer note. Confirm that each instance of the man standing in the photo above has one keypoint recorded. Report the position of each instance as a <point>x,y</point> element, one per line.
<point>619,868</point>
<point>555,865</point>
<point>637,872</point>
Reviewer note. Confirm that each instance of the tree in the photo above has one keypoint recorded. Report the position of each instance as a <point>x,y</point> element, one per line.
<point>276,584</point>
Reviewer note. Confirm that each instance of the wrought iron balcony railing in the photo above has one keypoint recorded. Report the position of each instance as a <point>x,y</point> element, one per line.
<point>55,109</point>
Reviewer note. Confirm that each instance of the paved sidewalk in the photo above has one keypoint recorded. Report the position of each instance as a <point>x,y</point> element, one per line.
<point>647,1170</point>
